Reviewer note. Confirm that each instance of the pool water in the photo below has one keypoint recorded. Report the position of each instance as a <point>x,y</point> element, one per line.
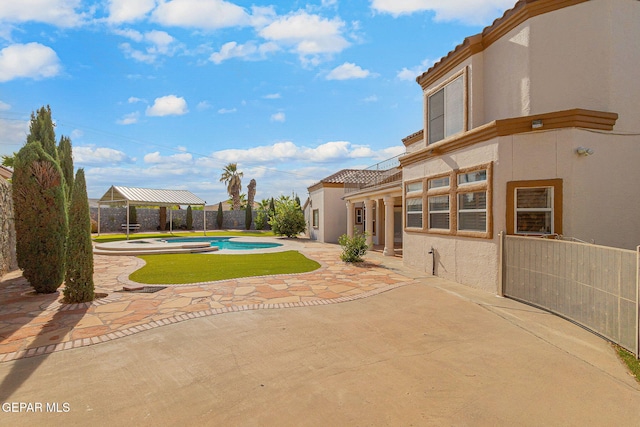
<point>226,243</point>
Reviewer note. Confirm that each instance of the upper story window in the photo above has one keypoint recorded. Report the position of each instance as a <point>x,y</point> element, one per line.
<point>446,109</point>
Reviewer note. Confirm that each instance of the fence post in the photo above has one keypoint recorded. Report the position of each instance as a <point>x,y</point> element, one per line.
<point>637,302</point>
<point>501,264</point>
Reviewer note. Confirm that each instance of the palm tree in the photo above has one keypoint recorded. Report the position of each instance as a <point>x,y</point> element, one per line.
<point>231,177</point>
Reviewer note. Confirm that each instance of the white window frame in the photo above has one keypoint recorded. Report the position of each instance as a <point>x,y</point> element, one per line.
<point>315,214</point>
<point>476,210</point>
<point>439,212</point>
<point>517,210</point>
<point>415,213</point>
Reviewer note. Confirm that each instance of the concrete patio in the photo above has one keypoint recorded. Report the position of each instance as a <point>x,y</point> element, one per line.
<point>371,345</point>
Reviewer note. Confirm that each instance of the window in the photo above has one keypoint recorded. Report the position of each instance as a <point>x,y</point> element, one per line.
<point>414,186</point>
<point>439,212</point>
<point>446,109</point>
<point>472,211</point>
<point>456,203</point>
<point>534,207</point>
<point>359,216</point>
<point>414,212</point>
<point>316,218</point>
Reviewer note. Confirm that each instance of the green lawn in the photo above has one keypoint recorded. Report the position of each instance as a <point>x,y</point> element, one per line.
<point>191,268</point>
<point>630,360</point>
<point>104,238</point>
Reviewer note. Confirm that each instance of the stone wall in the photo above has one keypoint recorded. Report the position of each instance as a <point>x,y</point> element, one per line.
<point>112,218</point>
<point>7,230</point>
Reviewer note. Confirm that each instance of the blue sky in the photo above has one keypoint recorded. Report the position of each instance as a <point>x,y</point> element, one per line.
<point>165,93</point>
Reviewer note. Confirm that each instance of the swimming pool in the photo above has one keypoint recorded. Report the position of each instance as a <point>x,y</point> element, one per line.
<point>225,243</point>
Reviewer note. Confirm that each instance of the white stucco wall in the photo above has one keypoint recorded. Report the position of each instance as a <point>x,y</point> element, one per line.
<point>332,214</point>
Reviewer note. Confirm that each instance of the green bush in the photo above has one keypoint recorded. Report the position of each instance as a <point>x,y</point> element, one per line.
<point>79,285</point>
<point>133,215</point>
<point>288,218</point>
<point>40,217</point>
<point>353,248</point>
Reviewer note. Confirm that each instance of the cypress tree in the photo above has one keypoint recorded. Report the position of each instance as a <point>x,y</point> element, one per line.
<point>189,220</point>
<point>41,131</point>
<point>133,215</point>
<point>248,217</point>
<point>219,216</point>
<point>65,159</point>
<point>40,217</point>
<point>79,276</point>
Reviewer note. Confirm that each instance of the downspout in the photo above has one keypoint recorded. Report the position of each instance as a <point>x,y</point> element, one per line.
<point>433,261</point>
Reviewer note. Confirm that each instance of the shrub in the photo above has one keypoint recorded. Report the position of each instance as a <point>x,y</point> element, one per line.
<point>353,248</point>
<point>79,276</point>
<point>219,216</point>
<point>248,217</point>
<point>40,217</point>
<point>288,219</point>
<point>189,220</point>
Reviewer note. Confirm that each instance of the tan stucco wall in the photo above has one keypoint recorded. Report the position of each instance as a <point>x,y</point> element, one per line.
<point>599,196</point>
<point>333,214</point>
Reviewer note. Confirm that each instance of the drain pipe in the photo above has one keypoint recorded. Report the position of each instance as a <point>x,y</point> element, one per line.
<point>433,261</point>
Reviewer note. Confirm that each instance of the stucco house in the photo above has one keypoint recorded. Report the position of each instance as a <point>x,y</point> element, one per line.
<point>531,127</point>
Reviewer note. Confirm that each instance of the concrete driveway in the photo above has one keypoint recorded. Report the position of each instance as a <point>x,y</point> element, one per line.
<point>428,353</point>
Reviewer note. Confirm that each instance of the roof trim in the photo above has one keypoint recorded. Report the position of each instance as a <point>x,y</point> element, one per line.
<point>575,118</point>
<point>522,11</point>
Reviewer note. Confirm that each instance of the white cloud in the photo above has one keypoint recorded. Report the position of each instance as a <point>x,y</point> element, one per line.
<point>128,10</point>
<point>169,105</point>
<point>13,132</point>
<point>90,155</point>
<point>372,98</point>
<point>227,110</point>
<point>133,100</point>
<point>129,119</point>
<point>206,14</point>
<point>76,134</point>
<point>175,159</point>
<point>278,117</point>
<point>4,106</point>
<point>61,13</point>
<point>410,74</point>
<point>272,96</point>
<point>347,71</point>
<point>474,12</point>
<point>287,151</point>
<point>31,60</point>
<point>159,43</point>
<point>308,35</point>
<point>247,51</point>
<point>203,105</point>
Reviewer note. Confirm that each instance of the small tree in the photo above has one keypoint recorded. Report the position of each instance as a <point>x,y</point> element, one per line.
<point>40,217</point>
<point>219,216</point>
<point>288,219</point>
<point>248,217</point>
<point>262,215</point>
<point>163,218</point>
<point>79,276</point>
<point>189,220</point>
<point>353,248</point>
<point>65,159</point>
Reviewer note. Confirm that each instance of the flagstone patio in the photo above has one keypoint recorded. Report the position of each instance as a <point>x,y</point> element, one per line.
<point>33,324</point>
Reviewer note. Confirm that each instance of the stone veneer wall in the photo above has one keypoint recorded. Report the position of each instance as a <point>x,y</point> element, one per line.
<point>111,219</point>
<point>7,230</point>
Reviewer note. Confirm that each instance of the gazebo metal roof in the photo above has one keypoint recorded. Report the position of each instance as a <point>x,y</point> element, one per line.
<point>149,196</point>
<point>128,196</point>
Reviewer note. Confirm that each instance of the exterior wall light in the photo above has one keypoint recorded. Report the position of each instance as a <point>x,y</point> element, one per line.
<point>582,151</point>
<point>536,124</point>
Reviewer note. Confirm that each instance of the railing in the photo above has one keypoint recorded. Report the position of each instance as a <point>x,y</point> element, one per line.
<point>378,175</point>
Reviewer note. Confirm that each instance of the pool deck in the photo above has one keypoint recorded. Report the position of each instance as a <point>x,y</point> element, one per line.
<point>32,325</point>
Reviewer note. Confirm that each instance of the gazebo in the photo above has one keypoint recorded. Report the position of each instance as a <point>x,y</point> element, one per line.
<point>131,196</point>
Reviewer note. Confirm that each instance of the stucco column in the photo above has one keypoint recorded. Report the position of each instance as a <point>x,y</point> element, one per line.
<point>349,218</point>
<point>368,206</point>
<point>388,226</point>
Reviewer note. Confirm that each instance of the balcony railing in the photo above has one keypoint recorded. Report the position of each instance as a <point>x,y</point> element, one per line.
<point>379,175</point>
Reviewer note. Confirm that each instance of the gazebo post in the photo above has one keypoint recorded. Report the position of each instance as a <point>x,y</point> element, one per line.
<point>127,220</point>
<point>170,220</point>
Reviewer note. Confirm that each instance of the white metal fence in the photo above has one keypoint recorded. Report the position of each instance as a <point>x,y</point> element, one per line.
<point>594,286</point>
